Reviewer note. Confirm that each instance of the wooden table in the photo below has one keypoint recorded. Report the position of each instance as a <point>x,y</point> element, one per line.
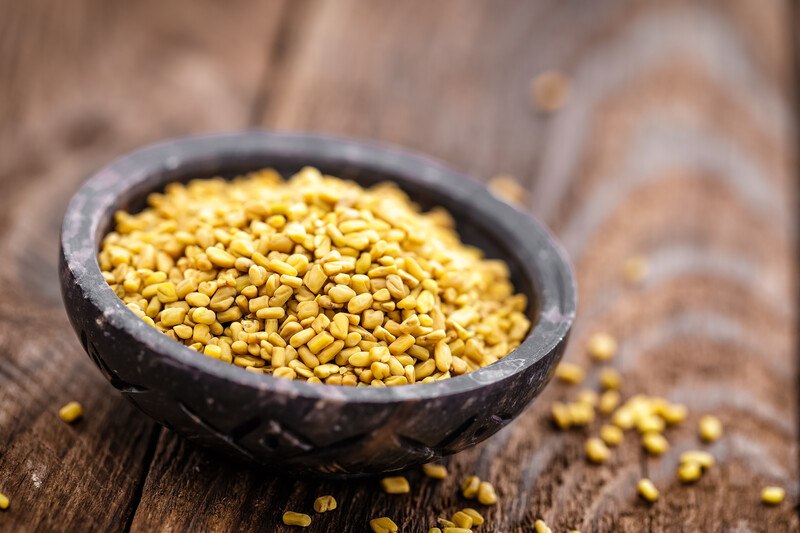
<point>678,142</point>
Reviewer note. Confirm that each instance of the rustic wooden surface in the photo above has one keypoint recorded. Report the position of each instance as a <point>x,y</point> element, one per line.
<point>678,141</point>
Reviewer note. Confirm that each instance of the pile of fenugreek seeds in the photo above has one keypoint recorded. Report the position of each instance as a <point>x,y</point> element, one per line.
<point>313,278</point>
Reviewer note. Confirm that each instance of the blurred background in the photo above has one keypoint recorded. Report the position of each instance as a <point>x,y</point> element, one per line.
<point>652,133</point>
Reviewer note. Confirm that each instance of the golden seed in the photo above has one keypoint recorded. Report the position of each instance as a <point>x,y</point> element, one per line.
<point>477,518</point>
<point>773,495</point>
<point>596,450</point>
<point>71,412</point>
<point>611,435</point>
<point>635,269</point>
<point>395,485</point>
<point>602,346</point>
<point>569,372</point>
<point>580,413</point>
<point>383,525</point>
<point>291,518</point>
<point>560,414</point>
<point>689,472</point>
<point>710,428</point>
<point>701,457</point>
<point>609,401</point>
<point>486,494</point>
<point>655,443</point>
<point>462,520</point>
<point>4,501</point>
<point>470,486</point>
<point>456,530</point>
<point>673,413</point>
<point>647,490</point>
<point>541,527</point>
<point>324,503</point>
<point>435,471</point>
<point>610,379</point>
<point>587,396</point>
<point>650,424</point>
<point>434,530</point>
<point>220,257</point>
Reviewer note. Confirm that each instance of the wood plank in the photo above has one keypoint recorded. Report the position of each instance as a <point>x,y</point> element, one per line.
<point>83,83</point>
<point>677,142</point>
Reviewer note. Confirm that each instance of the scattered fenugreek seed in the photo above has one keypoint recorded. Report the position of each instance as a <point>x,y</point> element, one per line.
<point>462,519</point>
<point>689,472</point>
<point>610,379</point>
<point>710,428</point>
<point>609,401</point>
<point>655,443</point>
<point>470,486</point>
<point>383,525</point>
<point>477,518</point>
<point>541,527</point>
<point>611,435</point>
<point>773,495</point>
<point>456,530</point>
<point>602,346</point>
<point>4,501</point>
<point>701,457</point>
<point>569,372</point>
<point>71,412</point>
<point>647,490</point>
<point>395,485</point>
<point>486,494</point>
<point>434,530</point>
<point>596,450</point>
<point>435,471</point>
<point>324,503</point>
<point>291,518</point>
<point>635,269</point>
<point>561,415</point>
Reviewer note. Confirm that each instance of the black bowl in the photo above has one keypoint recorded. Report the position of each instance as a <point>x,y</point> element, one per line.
<point>294,425</point>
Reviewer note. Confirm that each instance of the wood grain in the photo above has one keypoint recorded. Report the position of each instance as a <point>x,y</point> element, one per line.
<point>678,142</point>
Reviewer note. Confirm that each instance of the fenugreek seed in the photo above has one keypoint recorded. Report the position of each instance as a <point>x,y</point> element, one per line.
<point>477,518</point>
<point>710,428</point>
<point>647,490</point>
<point>172,317</point>
<point>673,413</point>
<point>470,486</point>
<point>445,523</point>
<point>5,501</point>
<point>220,257</point>
<point>435,471</point>
<point>650,424</point>
<point>383,525</point>
<point>486,494</point>
<point>401,344</point>
<point>456,530</point>
<point>635,269</point>
<point>560,414</point>
<point>772,495</point>
<point>541,527</point>
<point>71,412</point>
<point>462,520</point>
<point>701,457</point>
<point>580,414</point>
<point>359,303</point>
<point>689,472</point>
<point>611,435</point>
<point>610,379</point>
<point>202,315</point>
<point>284,372</point>
<point>655,443</point>
<point>324,503</point>
<point>587,396</point>
<point>213,351</point>
<point>602,346</point>
<point>197,299</point>
<point>434,530</point>
<point>596,450</point>
<point>291,518</point>
<point>341,294</point>
<point>569,373</point>
<point>395,485</point>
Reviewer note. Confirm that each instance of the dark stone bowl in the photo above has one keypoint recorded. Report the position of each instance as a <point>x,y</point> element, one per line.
<point>293,425</point>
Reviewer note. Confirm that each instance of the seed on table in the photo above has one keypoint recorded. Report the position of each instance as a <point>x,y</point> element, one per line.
<point>596,450</point>
<point>673,413</point>
<point>324,503</point>
<point>569,372</point>
<point>560,414</point>
<point>4,501</point>
<point>609,401</point>
<point>635,269</point>
<point>477,518</point>
<point>580,413</point>
<point>71,412</point>
<point>647,490</point>
<point>456,530</point>
<point>435,471</point>
<point>445,523</point>
<point>383,525</point>
<point>470,486</point>
<point>486,494</point>
<point>655,443</point>
<point>610,379</point>
<point>772,495</point>
<point>395,485</point>
<point>541,527</point>
<point>602,346</point>
<point>587,396</point>
<point>434,530</point>
<point>462,519</point>
<point>710,428</point>
<point>291,518</point>
<point>611,434</point>
<point>689,472</point>
<point>650,424</point>
<point>701,457</point>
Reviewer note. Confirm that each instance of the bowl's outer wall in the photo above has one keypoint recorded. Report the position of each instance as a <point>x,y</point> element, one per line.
<point>293,425</point>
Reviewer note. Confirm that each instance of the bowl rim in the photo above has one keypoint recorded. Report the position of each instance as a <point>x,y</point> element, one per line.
<point>95,200</point>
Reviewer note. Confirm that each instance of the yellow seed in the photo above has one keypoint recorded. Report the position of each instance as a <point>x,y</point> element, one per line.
<point>596,450</point>
<point>213,351</point>
<point>602,346</point>
<point>635,269</point>
<point>587,396</point>
<point>477,518</point>
<point>71,412</point>
<point>773,495</point>
<point>220,257</point>
<point>701,457</point>
<point>580,413</point>
<point>166,293</point>
<point>541,527</point>
<point>382,525</point>
<point>486,494</point>
<point>291,518</point>
<point>395,485</point>
<point>462,520</point>
<point>610,379</point>
<point>359,303</point>
<point>689,472</point>
<point>647,490</point>
<point>650,424</point>
<point>710,428</point>
<point>609,401</point>
<point>673,413</point>
<point>435,471</point>
<point>655,443</point>
<point>434,530</point>
<point>470,486</point>
<point>569,372</point>
<point>4,501</point>
<point>173,317</point>
<point>611,435</point>
<point>560,414</point>
<point>456,530</point>
<point>202,315</point>
<point>324,503</point>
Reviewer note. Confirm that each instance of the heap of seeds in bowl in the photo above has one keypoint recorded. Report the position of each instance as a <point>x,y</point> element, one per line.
<point>313,278</point>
